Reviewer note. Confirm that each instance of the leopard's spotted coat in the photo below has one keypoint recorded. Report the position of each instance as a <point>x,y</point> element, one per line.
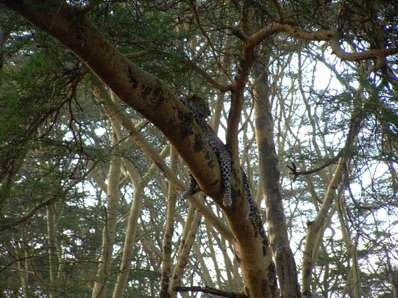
<point>200,109</point>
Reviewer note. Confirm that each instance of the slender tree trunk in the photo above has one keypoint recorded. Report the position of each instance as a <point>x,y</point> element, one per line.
<point>52,251</point>
<point>169,230</point>
<point>316,229</point>
<point>131,231</point>
<point>108,232</point>
<point>132,224</point>
<point>269,178</point>
<point>190,229</point>
<point>353,281</point>
<point>133,217</point>
<point>23,268</point>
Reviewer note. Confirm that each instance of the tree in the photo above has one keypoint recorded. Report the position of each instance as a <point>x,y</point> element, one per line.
<point>242,49</point>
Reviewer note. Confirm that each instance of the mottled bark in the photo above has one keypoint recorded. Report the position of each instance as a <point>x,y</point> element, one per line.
<point>269,178</point>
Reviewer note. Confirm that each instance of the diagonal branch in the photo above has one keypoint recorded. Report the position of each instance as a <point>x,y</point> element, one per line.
<point>333,36</point>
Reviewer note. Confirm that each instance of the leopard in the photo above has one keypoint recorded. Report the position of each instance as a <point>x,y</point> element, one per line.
<point>249,200</point>
<point>200,110</point>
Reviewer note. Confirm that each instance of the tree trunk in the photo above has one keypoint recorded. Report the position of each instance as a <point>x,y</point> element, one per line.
<point>168,234</point>
<point>52,252</point>
<point>108,232</point>
<point>269,178</point>
<point>132,224</point>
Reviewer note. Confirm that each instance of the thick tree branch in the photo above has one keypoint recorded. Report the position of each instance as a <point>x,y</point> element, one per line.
<point>115,112</point>
<point>137,88</point>
<point>333,36</point>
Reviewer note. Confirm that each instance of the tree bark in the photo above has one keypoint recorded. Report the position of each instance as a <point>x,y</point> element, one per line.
<point>190,230</point>
<point>137,88</point>
<point>317,227</point>
<point>132,224</point>
<point>168,235</point>
<point>269,178</point>
<point>52,252</point>
<point>109,229</point>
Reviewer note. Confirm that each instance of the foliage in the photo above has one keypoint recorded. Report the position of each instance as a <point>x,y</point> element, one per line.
<point>58,140</point>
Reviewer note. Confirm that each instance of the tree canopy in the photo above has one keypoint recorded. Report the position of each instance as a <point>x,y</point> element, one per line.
<point>95,148</point>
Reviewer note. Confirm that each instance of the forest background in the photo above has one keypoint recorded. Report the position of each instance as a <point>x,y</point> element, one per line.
<point>95,148</point>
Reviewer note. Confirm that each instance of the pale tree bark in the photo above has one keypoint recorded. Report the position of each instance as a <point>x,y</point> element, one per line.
<point>269,178</point>
<point>224,80</point>
<point>138,182</point>
<point>168,234</point>
<point>332,182</point>
<point>234,282</point>
<point>317,227</point>
<point>131,231</point>
<point>21,266</point>
<point>207,278</point>
<point>213,255</point>
<point>109,229</point>
<point>353,283</point>
<point>190,229</point>
<point>52,285</point>
<point>132,222</point>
